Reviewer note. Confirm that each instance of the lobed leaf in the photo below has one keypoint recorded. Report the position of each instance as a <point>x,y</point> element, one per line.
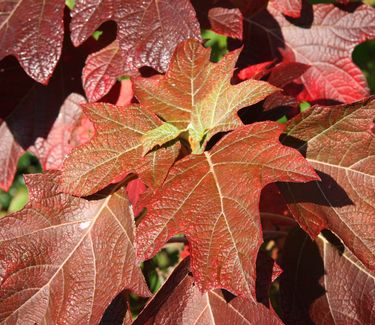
<point>116,151</point>
<point>33,31</point>
<point>226,22</point>
<point>213,198</point>
<point>101,70</point>
<point>63,259</point>
<point>323,283</point>
<point>191,94</point>
<point>47,136</point>
<point>339,142</point>
<point>324,38</point>
<point>148,31</point>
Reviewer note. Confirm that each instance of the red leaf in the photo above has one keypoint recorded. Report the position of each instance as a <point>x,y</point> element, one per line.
<point>63,259</point>
<point>135,189</point>
<point>148,31</point>
<point>101,70</point>
<point>324,38</point>
<point>349,287</point>
<point>66,133</point>
<point>286,72</point>
<point>33,31</point>
<point>227,22</point>
<point>193,98</point>
<point>213,198</point>
<point>116,150</point>
<point>255,71</point>
<point>324,283</point>
<point>126,93</point>
<point>281,76</point>
<point>339,143</point>
<point>180,295</point>
<point>27,128</point>
<point>291,8</point>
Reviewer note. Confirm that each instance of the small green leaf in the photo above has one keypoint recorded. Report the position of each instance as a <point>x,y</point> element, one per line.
<point>70,4</point>
<point>304,106</point>
<point>159,136</point>
<point>96,35</point>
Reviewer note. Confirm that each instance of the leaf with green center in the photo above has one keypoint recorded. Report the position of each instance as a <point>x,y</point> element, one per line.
<point>213,198</point>
<point>159,136</point>
<point>198,93</point>
<point>116,150</point>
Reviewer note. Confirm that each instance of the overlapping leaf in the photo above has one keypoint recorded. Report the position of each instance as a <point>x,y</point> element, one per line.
<point>324,38</point>
<point>116,150</point>
<point>339,142</point>
<point>291,8</point>
<point>101,70</point>
<point>192,96</point>
<point>33,31</point>
<point>180,295</point>
<point>63,259</point>
<point>323,283</point>
<point>24,130</point>
<point>226,22</point>
<point>148,31</point>
<point>213,198</point>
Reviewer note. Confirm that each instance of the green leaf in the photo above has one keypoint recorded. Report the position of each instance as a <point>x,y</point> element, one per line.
<point>159,136</point>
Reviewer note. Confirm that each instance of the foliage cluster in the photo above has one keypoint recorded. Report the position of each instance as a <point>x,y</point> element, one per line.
<point>183,130</point>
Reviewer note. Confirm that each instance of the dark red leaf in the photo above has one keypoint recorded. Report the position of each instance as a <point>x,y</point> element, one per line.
<point>179,301</point>
<point>324,38</point>
<point>323,283</point>
<point>101,70</point>
<point>227,22</point>
<point>148,31</point>
<point>339,143</point>
<point>255,71</point>
<point>213,198</point>
<point>63,259</point>
<point>33,31</point>
<point>28,128</point>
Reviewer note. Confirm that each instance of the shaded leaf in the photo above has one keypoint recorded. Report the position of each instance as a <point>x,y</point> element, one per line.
<point>76,256</point>
<point>255,71</point>
<point>101,70</point>
<point>51,143</point>
<point>33,31</point>
<point>191,94</point>
<point>148,31</point>
<point>324,283</point>
<point>180,295</point>
<point>339,143</point>
<point>116,150</point>
<point>324,38</point>
<point>213,198</point>
<point>227,22</point>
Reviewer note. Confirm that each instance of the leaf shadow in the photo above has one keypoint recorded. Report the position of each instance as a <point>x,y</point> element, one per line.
<point>326,192</point>
<point>303,268</point>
